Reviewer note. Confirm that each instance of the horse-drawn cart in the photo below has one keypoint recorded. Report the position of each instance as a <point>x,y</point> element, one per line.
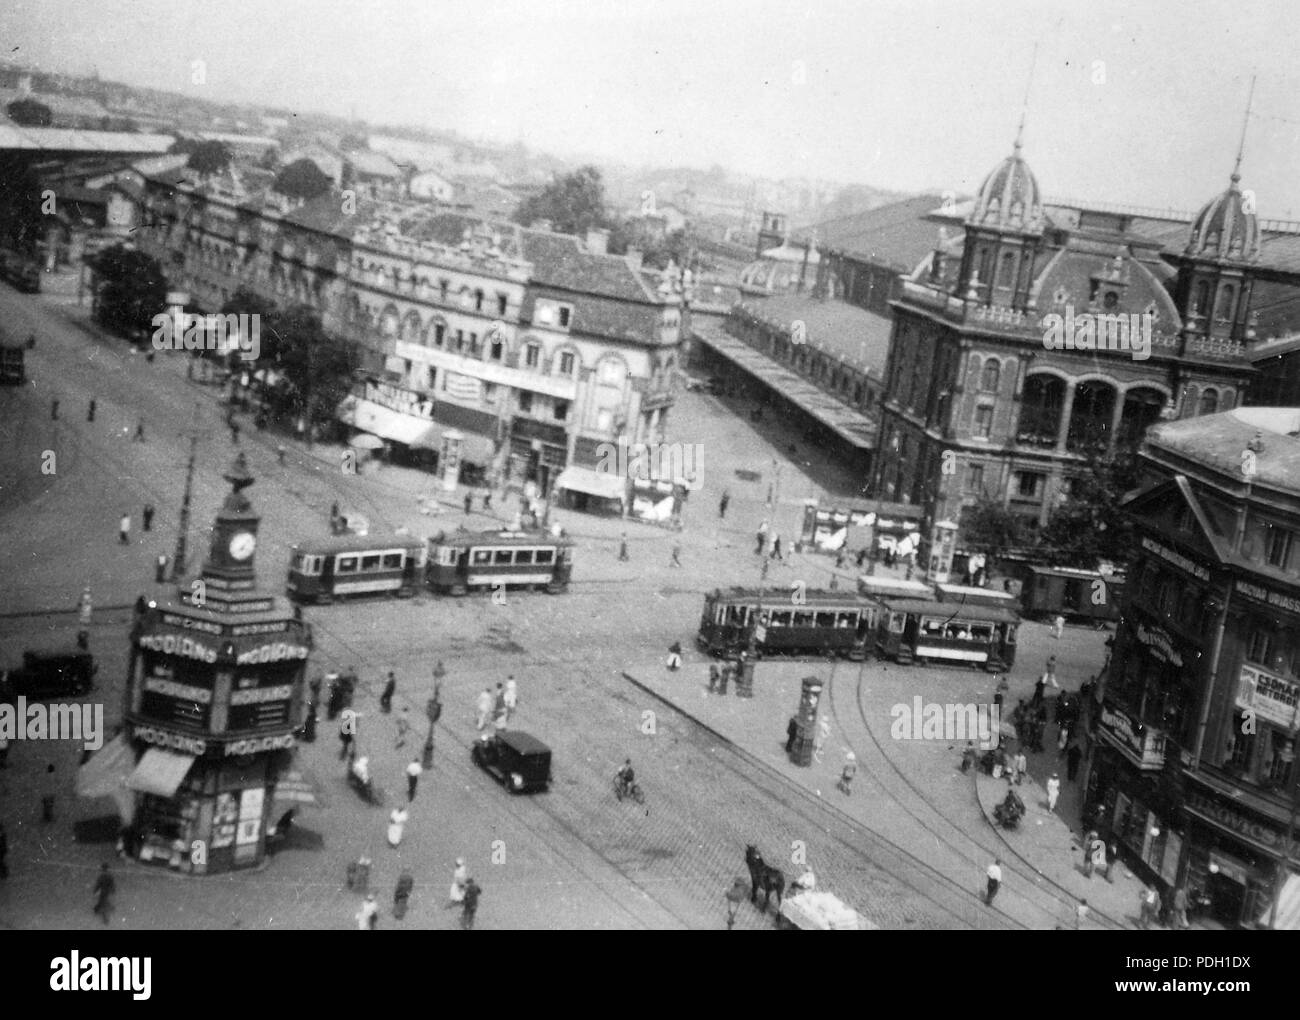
<point>814,910</point>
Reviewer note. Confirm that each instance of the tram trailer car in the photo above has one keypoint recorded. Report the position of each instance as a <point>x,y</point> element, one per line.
<point>464,560</point>
<point>337,568</point>
<point>927,630</point>
<point>1075,594</point>
<point>826,623</point>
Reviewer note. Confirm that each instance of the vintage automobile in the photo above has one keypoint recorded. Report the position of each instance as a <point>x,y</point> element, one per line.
<point>520,762</point>
<point>48,674</point>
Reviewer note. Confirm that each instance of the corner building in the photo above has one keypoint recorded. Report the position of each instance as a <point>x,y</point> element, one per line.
<point>214,693</point>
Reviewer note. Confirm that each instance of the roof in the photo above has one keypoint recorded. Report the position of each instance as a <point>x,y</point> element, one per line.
<point>781,596</point>
<point>524,743</point>
<point>324,214</point>
<point>1219,441</point>
<point>59,105</point>
<point>949,610</point>
<point>845,331</point>
<point>372,164</point>
<point>66,140</point>
<point>357,543</point>
<point>489,538</point>
<point>895,235</point>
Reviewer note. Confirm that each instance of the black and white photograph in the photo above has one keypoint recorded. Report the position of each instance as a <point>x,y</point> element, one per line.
<point>576,465</point>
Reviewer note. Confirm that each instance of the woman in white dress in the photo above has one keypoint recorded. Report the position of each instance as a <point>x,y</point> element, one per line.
<point>459,879</point>
<point>396,823</point>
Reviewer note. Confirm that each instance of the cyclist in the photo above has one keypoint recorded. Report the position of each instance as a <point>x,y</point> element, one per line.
<point>625,777</point>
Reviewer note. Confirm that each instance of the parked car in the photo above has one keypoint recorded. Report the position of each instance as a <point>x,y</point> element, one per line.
<point>518,761</point>
<point>50,674</point>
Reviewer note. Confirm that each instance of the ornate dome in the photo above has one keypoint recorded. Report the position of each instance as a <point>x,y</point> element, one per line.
<point>1227,227</point>
<point>1009,196</point>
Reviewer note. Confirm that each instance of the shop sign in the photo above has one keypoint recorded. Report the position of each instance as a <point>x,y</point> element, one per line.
<point>255,745</point>
<point>248,629</point>
<point>171,644</point>
<point>183,692</point>
<point>1160,643</point>
<point>395,398</point>
<point>189,623</point>
<point>1273,598</point>
<point>1177,559</point>
<point>174,741</point>
<point>277,652</point>
<point>1270,697</point>
<point>1149,746</point>
<point>1233,821</point>
<point>259,695</point>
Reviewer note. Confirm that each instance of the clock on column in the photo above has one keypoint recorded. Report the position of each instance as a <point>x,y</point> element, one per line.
<point>242,544</point>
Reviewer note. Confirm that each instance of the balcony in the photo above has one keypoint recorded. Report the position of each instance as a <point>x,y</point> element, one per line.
<point>1142,743</point>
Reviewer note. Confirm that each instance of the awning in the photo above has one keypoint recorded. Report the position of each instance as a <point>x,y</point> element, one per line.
<point>106,775</point>
<point>1288,908</point>
<point>160,772</point>
<point>594,483</point>
<point>406,429</point>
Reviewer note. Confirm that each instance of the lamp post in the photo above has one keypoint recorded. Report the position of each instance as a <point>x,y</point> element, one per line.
<point>433,710</point>
<point>182,534</point>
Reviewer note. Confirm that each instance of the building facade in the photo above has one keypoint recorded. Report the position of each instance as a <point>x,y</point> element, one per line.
<point>1197,718</point>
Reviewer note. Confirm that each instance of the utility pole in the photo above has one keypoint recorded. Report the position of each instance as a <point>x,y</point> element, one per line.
<point>182,535</point>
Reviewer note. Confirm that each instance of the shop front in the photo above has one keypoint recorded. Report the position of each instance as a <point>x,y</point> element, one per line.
<point>538,453</point>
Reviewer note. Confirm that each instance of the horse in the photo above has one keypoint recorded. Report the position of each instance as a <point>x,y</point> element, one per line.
<point>763,875</point>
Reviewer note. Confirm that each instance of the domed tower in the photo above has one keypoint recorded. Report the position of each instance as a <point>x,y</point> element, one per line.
<point>1003,234</point>
<point>1215,269</point>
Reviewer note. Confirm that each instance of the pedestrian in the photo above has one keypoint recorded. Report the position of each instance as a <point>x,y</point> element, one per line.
<point>1062,739</point>
<point>124,530</point>
<point>1080,914</point>
<point>459,879</point>
<point>1098,851</point>
<point>511,697</point>
<point>160,569</point>
<point>713,679</point>
<point>969,756</point>
<point>484,708</point>
<point>1053,791</point>
<point>1112,854</point>
<point>1039,686</point>
<point>104,889</point>
<point>487,501</point>
<point>1001,690</point>
<point>413,773</point>
<point>761,539</point>
<point>386,698</point>
<point>1021,765</point>
<point>791,733</point>
<point>1148,907</point>
<point>1087,852</point>
<point>403,727</point>
<point>723,503</point>
<point>847,773</point>
<point>675,656</point>
<point>622,548</point>
<point>1180,908</point>
<point>368,915</point>
<point>677,555</point>
<point>994,874</point>
<point>84,608</point>
<point>4,852</point>
<point>148,516</point>
<point>469,503</point>
<point>470,905</point>
<point>776,547</point>
<point>1050,675</point>
<point>396,825</point>
<point>279,453</point>
<point>139,432</point>
<point>90,411</point>
<point>1058,627</point>
<point>1072,757</point>
<point>234,432</point>
<point>347,732</point>
<point>54,410</point>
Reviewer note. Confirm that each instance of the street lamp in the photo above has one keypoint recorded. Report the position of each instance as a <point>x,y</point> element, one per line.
<point>433,710</point>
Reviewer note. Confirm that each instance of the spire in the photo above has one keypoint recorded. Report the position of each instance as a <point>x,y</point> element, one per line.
<point>1024,107</point>
<point>1241,146</point>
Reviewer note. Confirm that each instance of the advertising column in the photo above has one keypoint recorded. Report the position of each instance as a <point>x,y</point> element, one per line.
<point>449,459</point>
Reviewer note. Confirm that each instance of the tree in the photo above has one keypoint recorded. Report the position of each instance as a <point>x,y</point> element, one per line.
<point>302,179</point>
<point>318,366</point>
<point>22,220</point>
<point>209,158</point>
<point>991,528</point>
<point>1088,526</point>
<point>574,203</point>
<point>29,113</point>
<point>130,289</point>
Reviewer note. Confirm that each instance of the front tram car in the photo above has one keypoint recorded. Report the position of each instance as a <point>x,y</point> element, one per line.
<point>463,560</point>
<point>335,568</point>
<point>822,623</point>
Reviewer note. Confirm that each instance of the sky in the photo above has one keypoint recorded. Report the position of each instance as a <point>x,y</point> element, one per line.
<point>1140,102</point>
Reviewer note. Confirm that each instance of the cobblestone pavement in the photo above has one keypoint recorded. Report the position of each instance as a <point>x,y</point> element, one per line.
<point>571,858</point>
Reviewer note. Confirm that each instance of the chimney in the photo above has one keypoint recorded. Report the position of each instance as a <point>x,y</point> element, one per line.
<point>634,256</point>
<point>598,241</point>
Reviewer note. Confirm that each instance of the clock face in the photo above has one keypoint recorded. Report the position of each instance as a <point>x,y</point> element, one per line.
<point>242,545</point>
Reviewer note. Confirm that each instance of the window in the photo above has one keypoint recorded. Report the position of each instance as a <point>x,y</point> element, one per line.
<point>1029,484</point>
<point>983,421</point>
<point>826,619</point>
<point>561,410</point>
<point>346,565</point>
<point>460,339</point>
<point>1202,296</point>
<point>975,478</point>
<point>371,562</point>
<point>439,333</point>
<point>482,557</point>
<point>1111,301</point>
<point>393,561</point>
<point>433,378</point>
<point>1241,742</point>
<point>1209,402</point>
<point>611,373</point>
<point>523,557</point>
<point>443,285</point>
<point>1007,272</point>
<point>780,619</point>
<point>502,300</point>
<point>497,350</point>
<point>565,313</point>
<point>989,379</point>
<point>545,555</point>
<point>502,557</point>
<point>1279,546</point>
<point>566,363</point>
<point>478,300</point>
<point>526,401</point>
<point>804,619</point>
<point>532,355</point>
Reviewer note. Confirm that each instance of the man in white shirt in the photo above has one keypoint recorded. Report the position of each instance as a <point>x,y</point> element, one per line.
<point>995,880</point>
<point>413,773</point>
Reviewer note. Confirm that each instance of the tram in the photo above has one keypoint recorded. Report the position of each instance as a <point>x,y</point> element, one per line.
<point>924,630</point>
<point>462,560</point>
<point>825,623</point>
<point>335,568</point>
<point>1077,594</point>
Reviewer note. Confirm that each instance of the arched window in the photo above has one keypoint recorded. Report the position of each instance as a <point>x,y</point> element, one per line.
<point>1209,402</point>
<point>1201,297</point>
<point>1007,273</point>
<point>1226,299</point>
<point>990,377</point>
